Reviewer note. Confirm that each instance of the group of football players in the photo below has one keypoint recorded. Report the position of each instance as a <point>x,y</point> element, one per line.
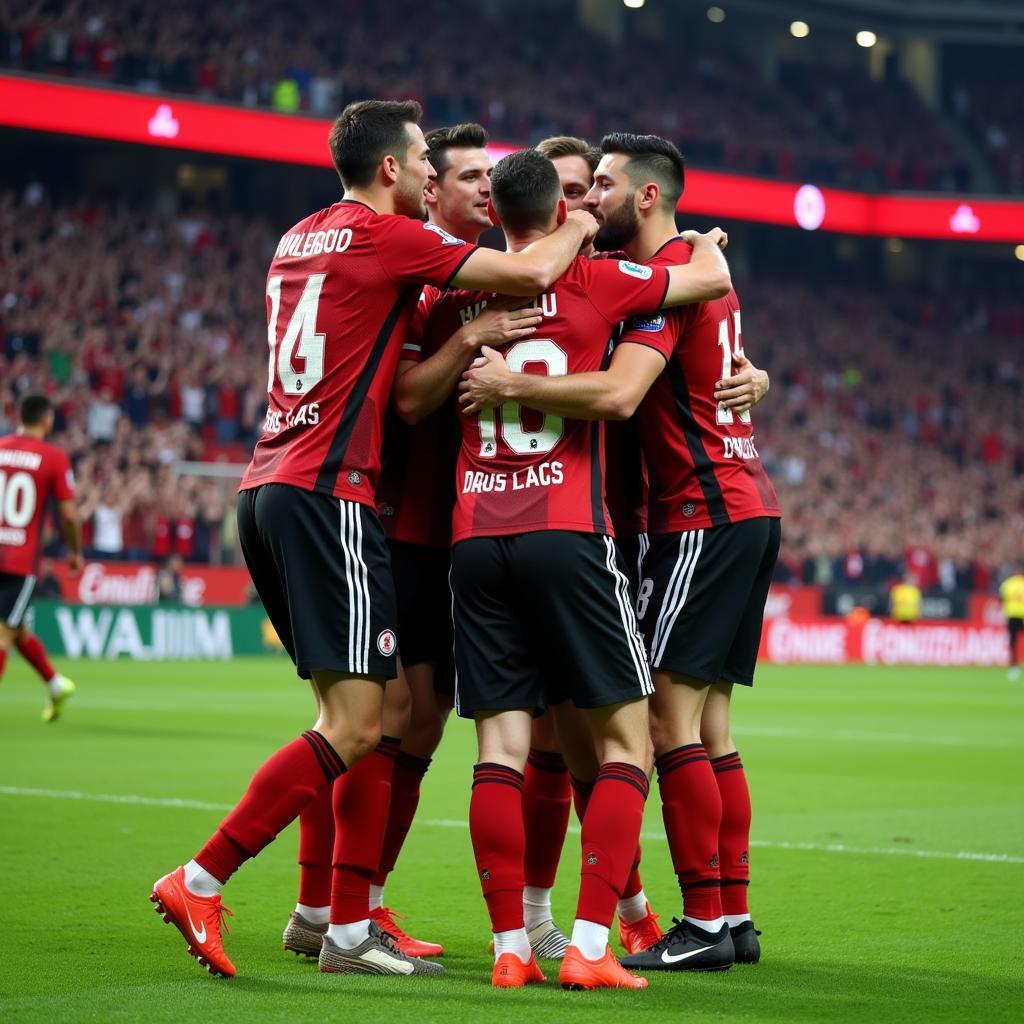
<point>441,513</point>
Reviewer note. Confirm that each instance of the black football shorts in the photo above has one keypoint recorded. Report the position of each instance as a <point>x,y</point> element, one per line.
<point>425,609</point>
<point>15,597</point>
<point>702,598</point>
<point>551,605</point>
<point>321,568</point>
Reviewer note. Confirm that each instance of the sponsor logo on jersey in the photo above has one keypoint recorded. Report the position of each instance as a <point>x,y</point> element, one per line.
<point>386,642</point>
<point>446,239</point>
<point>637,270</point>
<point>647,323</point>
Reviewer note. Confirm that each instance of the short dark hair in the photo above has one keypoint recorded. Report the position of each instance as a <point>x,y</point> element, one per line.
<point>569,145</point>
<point>458,136</point>
<point>651,158</point>
<point>525,190</point>
<point>34,408</point>
<point>366,132</point>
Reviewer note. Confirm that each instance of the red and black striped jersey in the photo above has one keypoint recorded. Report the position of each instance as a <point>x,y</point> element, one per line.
<point>520,470</point>
<point>31,472</point>
<point>341,291</point>
<point>703,467</point>
<point>417,481</point>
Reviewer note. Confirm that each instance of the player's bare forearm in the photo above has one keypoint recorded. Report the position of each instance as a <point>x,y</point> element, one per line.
<point>422,388</point>
<point>611,394</point>
<point>531,270</point>
<point>705,277</point>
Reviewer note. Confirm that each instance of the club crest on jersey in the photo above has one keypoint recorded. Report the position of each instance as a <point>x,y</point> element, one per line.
<point>386,642</point>
<point>446,239</point>
<point>689,509</point>
<point>647,323</point>
<point>354,478</point>
<point>637,270</point>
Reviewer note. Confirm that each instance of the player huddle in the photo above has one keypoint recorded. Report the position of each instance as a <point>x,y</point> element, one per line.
<point>587,591</point>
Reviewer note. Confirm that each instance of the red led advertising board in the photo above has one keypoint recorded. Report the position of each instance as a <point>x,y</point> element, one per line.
<point>160,120</point>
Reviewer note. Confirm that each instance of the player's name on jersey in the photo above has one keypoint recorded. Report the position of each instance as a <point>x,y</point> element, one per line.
<point>313,243</point>
<point>740,447</point>
<point>19,459</point>
<point>13,536</point>
<point>304,416</point>
<point>547,474</point>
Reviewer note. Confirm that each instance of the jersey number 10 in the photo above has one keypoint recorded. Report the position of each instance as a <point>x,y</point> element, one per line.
<point>508,418</point>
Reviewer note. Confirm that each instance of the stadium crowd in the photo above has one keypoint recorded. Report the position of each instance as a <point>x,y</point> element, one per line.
<point>813,124</point>
<point>149,335</point>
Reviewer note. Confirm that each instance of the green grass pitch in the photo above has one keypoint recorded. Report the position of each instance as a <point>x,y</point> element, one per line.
<point>873,788</point>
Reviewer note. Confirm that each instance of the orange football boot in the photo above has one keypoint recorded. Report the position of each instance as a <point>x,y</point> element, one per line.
<point>580,973</point>
<point>198,918</point>
<point>640,935</point>
<point>385,920</point>
<point>510,972</point>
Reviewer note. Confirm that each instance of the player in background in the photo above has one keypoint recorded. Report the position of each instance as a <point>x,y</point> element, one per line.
<point>714,524</point>
<point>538,593</point>
<point>31,472</point>
<point>414,502</point>
<point>905,601</point>
<point>562,741</point>
<point>1011,592</point>
<point>341,291</point>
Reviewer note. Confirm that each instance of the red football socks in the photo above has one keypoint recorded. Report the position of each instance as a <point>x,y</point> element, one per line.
<point>692,809</point>
<point>278,792</point>
<point>611,828</point>
<point>405,797</point>
<point>361,801</point>
<point>734,835</point>
<point>546,799</point>
<point>496,829</point>
<point>32,650</point>
<point>316,849</point>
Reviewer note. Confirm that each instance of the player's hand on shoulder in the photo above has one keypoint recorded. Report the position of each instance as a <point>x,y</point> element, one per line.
<point>500,322</point>
<point>482,384</point>
<point>716,236</point>
<point>745,388</point>
<point>586,219</point>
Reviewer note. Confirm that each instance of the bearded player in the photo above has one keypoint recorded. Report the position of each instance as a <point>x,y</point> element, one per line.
<point>32,472</point>
<point>714,523</point>
<point>341,292</point>
<point>414,502</point>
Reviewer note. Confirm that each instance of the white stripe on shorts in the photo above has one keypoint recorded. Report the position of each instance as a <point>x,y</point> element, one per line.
<point>643,546</point>
<point>18,611</point>
<point>355,575</point>
<point>690,545</point>
<point>628,616</point>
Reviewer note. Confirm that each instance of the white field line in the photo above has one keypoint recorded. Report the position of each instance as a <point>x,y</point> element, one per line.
<point>765,844</point>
